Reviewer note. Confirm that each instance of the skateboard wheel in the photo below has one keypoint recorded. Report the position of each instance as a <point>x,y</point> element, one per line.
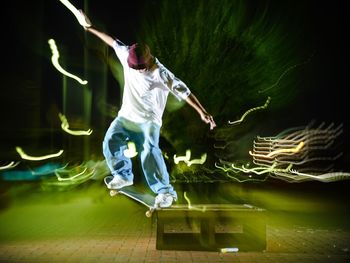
<point>113,192</point>
<point>149,213</point>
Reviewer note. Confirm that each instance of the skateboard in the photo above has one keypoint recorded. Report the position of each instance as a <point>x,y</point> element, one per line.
<point>136,193</point>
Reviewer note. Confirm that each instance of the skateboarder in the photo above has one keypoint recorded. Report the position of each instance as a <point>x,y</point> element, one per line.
<point>147,84</point>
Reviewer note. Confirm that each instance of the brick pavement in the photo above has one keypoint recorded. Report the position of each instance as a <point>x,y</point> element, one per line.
<point>89,226</point>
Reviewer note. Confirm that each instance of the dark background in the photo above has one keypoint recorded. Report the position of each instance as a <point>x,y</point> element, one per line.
<point>31,94</point>
<point>226,51</point>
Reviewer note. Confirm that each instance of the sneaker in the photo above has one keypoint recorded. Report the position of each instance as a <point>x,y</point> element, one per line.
<point>117,182</point>
<point>164,200</point>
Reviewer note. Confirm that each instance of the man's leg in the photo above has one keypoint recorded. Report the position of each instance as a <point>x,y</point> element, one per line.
<point>152,162</point>
<point>114,144</point>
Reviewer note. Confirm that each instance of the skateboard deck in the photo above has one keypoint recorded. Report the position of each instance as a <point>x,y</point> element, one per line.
<point>136,193</point>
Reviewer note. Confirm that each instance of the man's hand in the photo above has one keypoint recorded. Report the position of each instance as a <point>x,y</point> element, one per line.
<point>85,22</point>
<point>207,118</point>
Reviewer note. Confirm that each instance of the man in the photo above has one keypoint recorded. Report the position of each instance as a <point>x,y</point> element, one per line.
<point>147,84</point>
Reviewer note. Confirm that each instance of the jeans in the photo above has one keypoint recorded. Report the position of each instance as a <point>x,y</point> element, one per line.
<point>145,136</point>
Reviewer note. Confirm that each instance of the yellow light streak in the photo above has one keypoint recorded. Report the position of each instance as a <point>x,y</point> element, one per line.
<point>190,207</point>
<point>256,170</point>
<point>263,170</point>
<point>326,177</point>
<point>68,176</point>
<point>185,158</point>
<point>81,19</point>
<point>166,156</point>
<point>9,166</point>
<point>188,200</point>
<point>251,110</point>
<point>59,178</point>
<point>271,154</point>
<point>72,180</point>
<point>198,161</point>
<point>36,158</point>
<point>65,127</point>
<point>54,59</point>
<point>131,151</point>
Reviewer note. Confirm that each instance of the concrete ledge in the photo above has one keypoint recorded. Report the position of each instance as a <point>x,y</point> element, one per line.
<point>211,227</point>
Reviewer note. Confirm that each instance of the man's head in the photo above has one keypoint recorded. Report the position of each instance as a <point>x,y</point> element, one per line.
<point>140,56</point>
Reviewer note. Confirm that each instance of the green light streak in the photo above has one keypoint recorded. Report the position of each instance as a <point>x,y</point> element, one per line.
<point>307,159</point>
<point>326,177</point>
<point>237,169</point>
<point>256,170</point>
<point>198,161</point>
<point>67,177</point>
<point>190,207</point>
<point>9,166</point>
<point>54,59</point>
<point>251,110</point>
<point>285,72</point>
<point>285,150</point>
<point>313,139</point>
<point>187,157</point>
<point>70,178</point>
<point>166,156</point>
<point>70,181</point>
<point>293,148</point>
<point>188,200</point>
<point>65,127</point>
<point>38,158</point>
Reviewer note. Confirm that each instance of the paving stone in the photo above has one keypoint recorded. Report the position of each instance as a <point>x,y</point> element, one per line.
<point>116,230</point>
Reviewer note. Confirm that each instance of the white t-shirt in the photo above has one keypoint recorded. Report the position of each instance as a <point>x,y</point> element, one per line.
<point>145,93</point>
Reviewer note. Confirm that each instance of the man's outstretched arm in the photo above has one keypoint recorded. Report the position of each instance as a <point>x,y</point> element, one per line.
<point>103,36</point>
<point>205,116</point>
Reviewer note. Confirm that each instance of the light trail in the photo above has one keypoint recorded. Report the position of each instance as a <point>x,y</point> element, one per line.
<point>54,59</point>
<point>9,166</point>
<point>37,158</point>
<point>65,127</point>
<point>81,19</point>
<point>251,110</point>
